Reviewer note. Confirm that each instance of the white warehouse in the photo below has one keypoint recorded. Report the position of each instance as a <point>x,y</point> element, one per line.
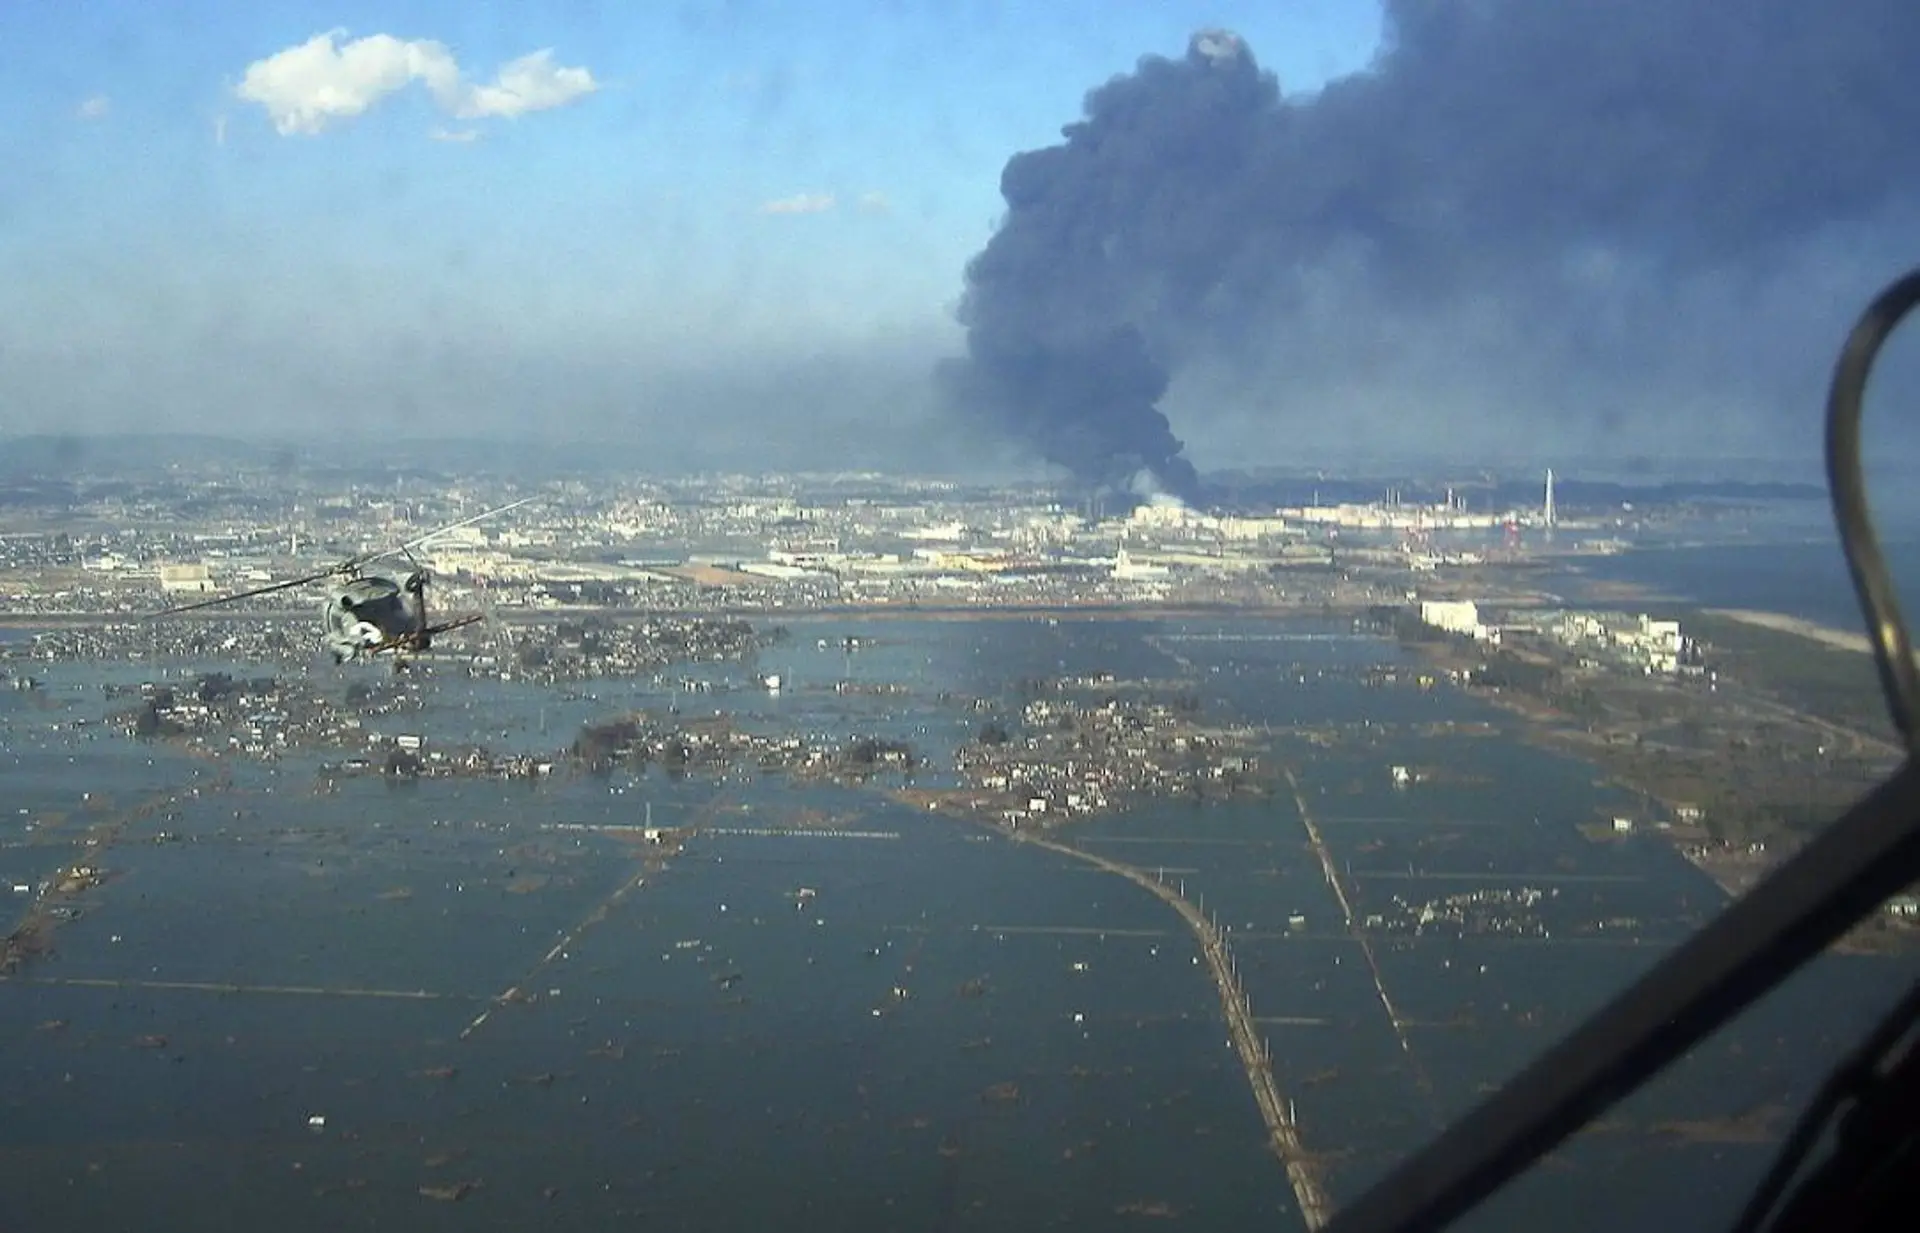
<point>1456,616</point>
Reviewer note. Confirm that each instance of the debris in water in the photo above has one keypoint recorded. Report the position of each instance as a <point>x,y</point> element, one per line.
<point>450,1194</point>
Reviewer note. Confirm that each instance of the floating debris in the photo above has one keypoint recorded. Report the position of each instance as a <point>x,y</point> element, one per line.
<point>450,1194</point>
<point>1757,1125</point>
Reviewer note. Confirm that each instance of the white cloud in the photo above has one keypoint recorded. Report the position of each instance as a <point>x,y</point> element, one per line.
<point>95,107</point>
<point>309,86</point>
<point>875,203</point>
<point>304,88</point>
<point>531,83</point>
<point>801,203</point>
<point>454,134</point>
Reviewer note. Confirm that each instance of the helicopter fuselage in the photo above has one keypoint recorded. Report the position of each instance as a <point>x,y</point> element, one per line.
<point>370,614</point>
<point>366,614</point>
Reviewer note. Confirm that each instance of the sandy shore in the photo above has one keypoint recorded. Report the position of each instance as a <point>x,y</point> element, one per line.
<point>1826,635</point>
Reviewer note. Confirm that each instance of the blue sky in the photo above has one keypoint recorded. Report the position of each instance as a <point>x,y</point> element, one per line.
<point>712,227</point>
<point>157,221</point>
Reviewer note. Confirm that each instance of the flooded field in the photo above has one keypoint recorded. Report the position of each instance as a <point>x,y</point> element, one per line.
<point>379,1002</point>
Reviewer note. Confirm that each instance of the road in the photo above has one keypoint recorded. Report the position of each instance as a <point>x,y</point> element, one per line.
<point>1283,1134</point>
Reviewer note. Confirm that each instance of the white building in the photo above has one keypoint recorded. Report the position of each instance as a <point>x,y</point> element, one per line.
<point>1456,616</point>
<point>1662,637</point>
<point>1656,645</point>
<point>1124,566</point>
<point>185,579</point>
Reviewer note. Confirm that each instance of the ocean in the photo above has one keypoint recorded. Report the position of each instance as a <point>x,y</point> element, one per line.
<point>1805,578</point>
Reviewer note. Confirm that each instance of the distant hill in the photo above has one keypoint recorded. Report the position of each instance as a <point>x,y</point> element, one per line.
<point>51,456</point>
<point>64,455</point>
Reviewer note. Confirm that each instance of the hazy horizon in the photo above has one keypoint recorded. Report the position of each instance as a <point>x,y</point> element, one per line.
<point>49,453</point>
<point>748,236</point>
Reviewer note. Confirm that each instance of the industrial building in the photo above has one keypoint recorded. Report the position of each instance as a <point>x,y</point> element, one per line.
<point>1656,645</point>
<point>185,580</point>
<point>1456,616</point>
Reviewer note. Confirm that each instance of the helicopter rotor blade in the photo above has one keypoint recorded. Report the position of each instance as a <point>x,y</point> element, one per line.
<point>421,541</point>
<point>501,636</point>
<point>467,522</point>
<point>288,585</point>
<point>348,566</point>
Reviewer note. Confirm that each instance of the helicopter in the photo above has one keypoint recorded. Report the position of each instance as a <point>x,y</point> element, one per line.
<point>368,614</point>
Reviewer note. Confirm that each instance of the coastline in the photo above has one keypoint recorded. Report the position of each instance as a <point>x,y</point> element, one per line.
<point>1780,622</point>
<point>1606,591</point>
<point>1733,868</point>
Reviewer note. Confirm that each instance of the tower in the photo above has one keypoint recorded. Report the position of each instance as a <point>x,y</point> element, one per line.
<point>1547,514</point>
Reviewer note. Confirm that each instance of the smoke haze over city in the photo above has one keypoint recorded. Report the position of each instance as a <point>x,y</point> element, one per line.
<point>721,237</point>
<point>1521,219</point>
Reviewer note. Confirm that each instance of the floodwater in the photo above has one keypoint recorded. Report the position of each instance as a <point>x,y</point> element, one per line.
<point>914,1025</point>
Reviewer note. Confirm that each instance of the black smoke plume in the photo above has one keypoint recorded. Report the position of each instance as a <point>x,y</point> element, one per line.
<point>1608,211</point>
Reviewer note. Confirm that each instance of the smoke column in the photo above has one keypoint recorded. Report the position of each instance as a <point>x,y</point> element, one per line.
<point>1056,352</point>
<point>1529,208</point>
